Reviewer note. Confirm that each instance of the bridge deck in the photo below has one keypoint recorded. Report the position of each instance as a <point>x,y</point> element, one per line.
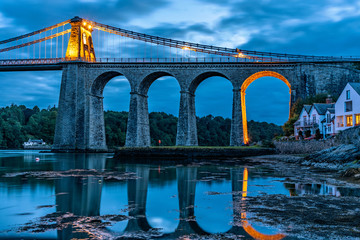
<point>56,63</point>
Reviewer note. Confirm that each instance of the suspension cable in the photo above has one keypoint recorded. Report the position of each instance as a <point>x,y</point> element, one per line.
<point>35,32</point>
<point>255,55</point>
<point>35,41</point>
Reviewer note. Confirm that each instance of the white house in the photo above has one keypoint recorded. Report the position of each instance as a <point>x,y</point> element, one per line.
<point>347,107</point>
<point>318,116</point>
<point>303,123</point>
<point>328,123</point>
<point>34,143</point>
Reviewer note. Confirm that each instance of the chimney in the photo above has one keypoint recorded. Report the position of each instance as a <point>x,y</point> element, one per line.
<point>329,99</point>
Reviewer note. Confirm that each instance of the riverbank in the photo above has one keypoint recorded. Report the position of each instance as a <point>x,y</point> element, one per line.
<point>171,154</point>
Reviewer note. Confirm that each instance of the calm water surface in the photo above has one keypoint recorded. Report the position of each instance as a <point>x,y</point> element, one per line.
<point>79,196</point>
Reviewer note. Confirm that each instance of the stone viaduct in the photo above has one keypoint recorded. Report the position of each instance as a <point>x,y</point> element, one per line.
<point>80,122</point>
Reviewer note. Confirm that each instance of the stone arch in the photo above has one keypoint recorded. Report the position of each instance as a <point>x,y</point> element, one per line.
<point>245,85</point>
<point>98,85</point>
<point>145,84</point>
<point>200,78</point>
<point>187,131</point>
<point>96,122</point>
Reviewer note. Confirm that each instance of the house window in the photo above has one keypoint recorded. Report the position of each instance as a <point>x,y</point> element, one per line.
<point>347,94</point>
<point>349,120</point>
<point>328,118</point>
<point>357,119</point>
<point>340,121</point>
<point>348,106</point>
<point>305,120</point>
<point>314,118</point>
<point>329,129</point>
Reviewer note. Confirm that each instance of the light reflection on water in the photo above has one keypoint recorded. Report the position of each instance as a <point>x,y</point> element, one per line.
<point>178,200</point>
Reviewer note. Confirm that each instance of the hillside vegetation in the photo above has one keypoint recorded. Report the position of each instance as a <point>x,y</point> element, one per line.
<point>19,123</point>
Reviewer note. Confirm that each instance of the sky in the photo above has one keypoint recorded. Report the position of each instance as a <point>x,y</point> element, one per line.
<point>322,27</point>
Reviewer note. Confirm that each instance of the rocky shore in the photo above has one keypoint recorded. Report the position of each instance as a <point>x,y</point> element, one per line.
<point>344,157</point>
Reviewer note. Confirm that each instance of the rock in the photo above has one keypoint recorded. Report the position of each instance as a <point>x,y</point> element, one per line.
<point>350,136</point>
<point>350,172</point>
<point>341,154</point>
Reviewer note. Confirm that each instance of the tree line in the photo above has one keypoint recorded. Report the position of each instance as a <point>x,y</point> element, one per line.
<point>19,123</point>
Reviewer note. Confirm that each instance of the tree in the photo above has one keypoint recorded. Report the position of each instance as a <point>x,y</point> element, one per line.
<point>18,124</point>
<point>301,135</point>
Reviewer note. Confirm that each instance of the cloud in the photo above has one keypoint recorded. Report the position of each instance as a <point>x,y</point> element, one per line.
<point>32,15</point>
<point>323,27</point>
<point>30,88</point>
<point>4,21</point>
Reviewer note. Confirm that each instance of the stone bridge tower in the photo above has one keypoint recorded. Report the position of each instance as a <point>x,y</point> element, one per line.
<point>80,44</point>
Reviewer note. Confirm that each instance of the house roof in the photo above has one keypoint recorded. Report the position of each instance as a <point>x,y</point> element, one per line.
<point>307,108</point>
<point>331,110</point>
<point>321,108</point>
<point>355,86</point>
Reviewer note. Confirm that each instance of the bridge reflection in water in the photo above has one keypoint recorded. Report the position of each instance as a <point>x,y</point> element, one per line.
<point>83,198</point>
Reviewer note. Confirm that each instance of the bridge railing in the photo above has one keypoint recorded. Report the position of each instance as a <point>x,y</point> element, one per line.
<point>47,61</point>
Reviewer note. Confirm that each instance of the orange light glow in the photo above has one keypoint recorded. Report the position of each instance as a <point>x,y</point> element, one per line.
<point>188,48</point>
<point>258,235</point>
<point>245,183</point>
<point>244,120</point>
<point>84,23</point>
<point>244,86</point>
<point>241,55</point>
<point>89,27</point>
<point>246,225</point>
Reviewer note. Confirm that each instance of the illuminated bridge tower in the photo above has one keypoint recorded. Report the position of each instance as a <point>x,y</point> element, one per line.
<point>72,125</point>
<point>80,43</point>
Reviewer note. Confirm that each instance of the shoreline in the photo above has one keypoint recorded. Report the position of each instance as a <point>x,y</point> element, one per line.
<point>187,154</point>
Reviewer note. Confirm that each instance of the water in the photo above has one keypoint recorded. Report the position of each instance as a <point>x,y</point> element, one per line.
<point>91,196</point>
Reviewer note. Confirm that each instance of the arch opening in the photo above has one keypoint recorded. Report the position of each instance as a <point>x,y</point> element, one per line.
<point>110,113</point>
<point>213,108</point>
<point>150,79</point>
<point>161,185</point>
<point>247,83</point>
<point>163,91</point>
<point>208,209</point>
<point>202,77</point>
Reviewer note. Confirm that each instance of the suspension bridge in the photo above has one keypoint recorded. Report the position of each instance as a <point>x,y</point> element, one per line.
<point>90,54</point>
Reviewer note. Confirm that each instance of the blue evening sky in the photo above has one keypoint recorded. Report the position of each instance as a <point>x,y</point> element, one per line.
<point>323,27</point>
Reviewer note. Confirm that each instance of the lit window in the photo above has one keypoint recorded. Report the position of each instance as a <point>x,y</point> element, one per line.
<point>84,38</point>
<point>349,120</point>
<point>348,106</point>
<point>347,94</point>
<point>340,121</point>
<point>357,119</point>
